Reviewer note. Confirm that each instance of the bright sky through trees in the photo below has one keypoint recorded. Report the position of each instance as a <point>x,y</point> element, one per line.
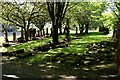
<point>60,0</point>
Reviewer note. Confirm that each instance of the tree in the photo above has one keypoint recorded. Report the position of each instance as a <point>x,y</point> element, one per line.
<point>57,11</point>
<point>21,14</point>
<point>86,14</point>
<point>116,11</point>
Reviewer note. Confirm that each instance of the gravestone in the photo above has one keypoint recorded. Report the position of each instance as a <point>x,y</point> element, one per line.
<point>43,32</point>
<point>38,33</point>
<point>47,31</point>
<point>6,36</point>
<point>76,31</point>
<point>30,34</point>
<point>14,36</point>
<point>34,32</point>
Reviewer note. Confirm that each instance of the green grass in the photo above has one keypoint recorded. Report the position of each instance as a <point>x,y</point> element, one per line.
<point>28,46</point>
<point>77,46</point>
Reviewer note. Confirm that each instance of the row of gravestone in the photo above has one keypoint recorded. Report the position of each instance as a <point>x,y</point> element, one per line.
<point>31,34</point>
<point>21,53</point>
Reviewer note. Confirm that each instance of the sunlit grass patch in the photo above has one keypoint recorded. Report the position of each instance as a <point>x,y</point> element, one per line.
<point>72,60</point>
<point>28,46</point>
<point>77,46</point>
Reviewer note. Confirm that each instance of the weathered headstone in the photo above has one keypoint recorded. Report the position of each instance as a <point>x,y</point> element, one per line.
<point>14,36</point>
<point>76,31</point>
<point>47,31</point>
<point>6,36</point>
<point>38,33</point>
<point>30,34</point>
<point>43,32</point>
<point>34,32</point>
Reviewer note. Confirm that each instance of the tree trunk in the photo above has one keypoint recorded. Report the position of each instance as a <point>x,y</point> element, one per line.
<point>67,32</point>
<point>81,30</point>
<point>30,33</point>
<point>118,47</point>
<point>22,33</point>
<point>55,34</point>
<point>51,32</point>
<point>114,34</point>
<point>118,51</point>
<point>41,33</point>
<point>26,35</point>
<point>60,29</point>
<point>86,28</point>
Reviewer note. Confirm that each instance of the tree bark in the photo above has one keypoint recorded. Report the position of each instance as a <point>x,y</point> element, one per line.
<point>60,29</point>
<point>26,35</point>
<point>55,34</point>
<point>114,34</point>
<point>14,36</point>
<point>86,28</point>
<point>57,12</point>
<point>118,51</point>
<point>22,33</point>
<point>81,30</point>
<point>118,47</point>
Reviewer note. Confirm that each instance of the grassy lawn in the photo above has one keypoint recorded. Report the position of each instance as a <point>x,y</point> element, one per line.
<point>76,46</point>
<point>28,46</point>
<point>77,59</point>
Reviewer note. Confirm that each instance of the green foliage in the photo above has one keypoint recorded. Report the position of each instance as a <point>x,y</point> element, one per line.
<point>90,12</point>
<point>23,14</point>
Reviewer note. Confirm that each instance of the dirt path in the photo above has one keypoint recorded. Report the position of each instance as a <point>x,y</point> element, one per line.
<point>21,71</point>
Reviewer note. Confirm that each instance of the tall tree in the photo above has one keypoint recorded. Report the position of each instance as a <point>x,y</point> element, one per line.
<point>21,14</point>
<point>116,11</point>
<point>57,11</point>
<point>86,14</point>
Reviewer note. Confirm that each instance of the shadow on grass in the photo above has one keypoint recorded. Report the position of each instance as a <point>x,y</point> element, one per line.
<point>28,46</point>
<point>92,65</point>
<point>85,58</point>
